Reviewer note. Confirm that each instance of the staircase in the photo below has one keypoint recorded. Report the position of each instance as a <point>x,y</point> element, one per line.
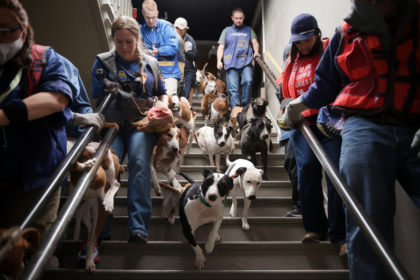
<point>270,250</point>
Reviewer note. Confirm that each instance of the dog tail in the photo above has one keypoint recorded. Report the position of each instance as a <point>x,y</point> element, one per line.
<point>188,178</point>
<point>169,187</point>
<point>231,166</point>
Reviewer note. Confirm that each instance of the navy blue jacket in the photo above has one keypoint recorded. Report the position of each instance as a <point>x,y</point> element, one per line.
<point>33,150</point>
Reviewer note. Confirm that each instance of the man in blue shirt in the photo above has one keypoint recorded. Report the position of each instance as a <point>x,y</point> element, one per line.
<point>235,47</point>
<point>159,36</point>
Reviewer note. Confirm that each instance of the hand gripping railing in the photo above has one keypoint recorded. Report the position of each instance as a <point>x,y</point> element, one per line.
<point>41,257</point>
<point>375,238</point>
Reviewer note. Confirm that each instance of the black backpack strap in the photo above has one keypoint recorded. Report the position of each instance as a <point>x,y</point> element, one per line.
<point>108,60</point>
<point>154,64</point>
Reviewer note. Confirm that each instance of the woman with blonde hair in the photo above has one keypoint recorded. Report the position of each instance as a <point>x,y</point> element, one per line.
<point>137,76</point>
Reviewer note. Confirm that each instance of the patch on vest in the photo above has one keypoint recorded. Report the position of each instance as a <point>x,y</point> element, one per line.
<point>122,76</point>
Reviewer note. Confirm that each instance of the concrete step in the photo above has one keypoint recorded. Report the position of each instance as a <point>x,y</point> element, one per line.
<point>261,207</point>
<point>195,149</point>
<point>267,189</point>
<point>194,158</point>
<point>107,274</point>
<point>262,228</point>
<point>227,255</point>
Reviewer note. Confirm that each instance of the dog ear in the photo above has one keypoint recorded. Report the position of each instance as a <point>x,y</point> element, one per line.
<point>254,120</point>
<point>262,172</point>
<point>241,170</point>
<point>230,183</point>
<point>230,128</point>
<point>265,102</point>
<point>206,173</point>
<point>32,241</point>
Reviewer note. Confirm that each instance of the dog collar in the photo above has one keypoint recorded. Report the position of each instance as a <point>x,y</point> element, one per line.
<point>204,201</point>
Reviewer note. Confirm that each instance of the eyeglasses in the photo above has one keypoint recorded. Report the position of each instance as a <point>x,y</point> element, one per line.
<point>7,33</point>
<point>303,33</point>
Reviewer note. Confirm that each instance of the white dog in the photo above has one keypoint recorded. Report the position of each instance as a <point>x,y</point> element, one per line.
<point>215,141</point>
<point>248,179</point>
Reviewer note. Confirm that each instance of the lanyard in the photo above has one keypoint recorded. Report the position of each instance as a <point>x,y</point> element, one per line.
<point>12,85</point>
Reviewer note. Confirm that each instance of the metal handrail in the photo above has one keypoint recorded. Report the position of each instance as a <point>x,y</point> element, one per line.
<point>374,237</point>
<point>54,183</point>
<point>42,255</point>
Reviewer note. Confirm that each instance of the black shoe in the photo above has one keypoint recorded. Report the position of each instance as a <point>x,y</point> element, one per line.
<point>295,212</point>
<point>100,239</point>
<point>137,237</point>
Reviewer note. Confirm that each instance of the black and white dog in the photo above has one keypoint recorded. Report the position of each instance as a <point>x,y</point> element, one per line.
<point>215,141</point>
<point>255,137</point>
<point>257,109</point>
<point>200,204</point>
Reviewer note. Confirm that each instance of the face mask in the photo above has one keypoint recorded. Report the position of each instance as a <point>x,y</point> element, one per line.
<point>8,51</point>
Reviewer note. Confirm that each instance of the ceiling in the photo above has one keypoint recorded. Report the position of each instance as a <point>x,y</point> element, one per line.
<point>206,18</point>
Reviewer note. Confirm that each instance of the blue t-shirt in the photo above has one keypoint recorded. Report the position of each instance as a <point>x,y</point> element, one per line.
<point>33,150</point>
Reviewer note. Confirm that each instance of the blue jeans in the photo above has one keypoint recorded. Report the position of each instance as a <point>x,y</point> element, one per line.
<point>310,187</point>
<point>233,78</point>
<point>189,77</point>
<point>139,147</point>
<point>373,156</point>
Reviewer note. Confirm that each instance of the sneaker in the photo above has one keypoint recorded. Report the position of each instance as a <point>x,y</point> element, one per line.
<point>295,212</point>
<point>81,256</point>
<point>137,237</point>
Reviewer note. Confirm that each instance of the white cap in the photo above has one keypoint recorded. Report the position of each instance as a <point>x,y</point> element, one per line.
<point>181,23</point>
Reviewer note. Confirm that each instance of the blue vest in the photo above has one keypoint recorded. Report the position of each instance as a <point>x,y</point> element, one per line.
<point>238,50</point>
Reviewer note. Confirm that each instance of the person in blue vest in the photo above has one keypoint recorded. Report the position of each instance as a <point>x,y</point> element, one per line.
<point>159,37</point>
<point>33,113</point>
<point>235,47</point>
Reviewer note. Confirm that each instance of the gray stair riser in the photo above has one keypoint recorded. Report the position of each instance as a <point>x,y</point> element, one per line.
<point>264,191</point>
<point>259,207</point>
<point>196,150</point>
<point>272,160</point>
<point>107,274</point>
<point>230,230</point>
<point>226,256</point>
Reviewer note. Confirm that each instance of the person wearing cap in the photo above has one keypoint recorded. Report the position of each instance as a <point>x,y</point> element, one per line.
<point>370,72</point>
<point>236,45</point>
<point>160,37</point>
<point>190,52</point>
<point>306,52</point>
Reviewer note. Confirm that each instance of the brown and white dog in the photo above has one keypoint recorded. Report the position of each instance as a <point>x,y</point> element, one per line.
<point>219,109</point>
<point>28,241</point>
<point>103,188</point>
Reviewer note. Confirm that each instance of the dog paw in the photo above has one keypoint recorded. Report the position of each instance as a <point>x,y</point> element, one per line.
<point>87,165</point>
<point>209,246</point>
<point>171,220</point>
<point>90,267</point>
<point>218,239</point>
<point>108,204</point>
<point>158,191</point>
<point>232,214</point>
<point>245,225</point>
<point>200,261</point>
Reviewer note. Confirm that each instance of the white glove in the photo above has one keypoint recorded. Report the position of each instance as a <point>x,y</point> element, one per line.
<point>292,115</point>
<point>188,46</point>
<point>93,119</point>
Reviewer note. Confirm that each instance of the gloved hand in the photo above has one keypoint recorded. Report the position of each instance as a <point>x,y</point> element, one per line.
<point>188,46</point>
<point>416,142</point>
<point>93,119</point>
<point>292,114</point>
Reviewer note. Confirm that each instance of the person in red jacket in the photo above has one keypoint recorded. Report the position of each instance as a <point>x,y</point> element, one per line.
<point>370,71</point>
<point>307,49</point>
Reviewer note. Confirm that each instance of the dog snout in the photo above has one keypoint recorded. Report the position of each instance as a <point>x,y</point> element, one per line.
<point>222,144</point>
<point>174,149</point>
<point>212,197</point>
<point>252,197</point>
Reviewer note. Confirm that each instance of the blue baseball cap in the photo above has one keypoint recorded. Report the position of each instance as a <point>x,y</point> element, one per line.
<point>303,27</point>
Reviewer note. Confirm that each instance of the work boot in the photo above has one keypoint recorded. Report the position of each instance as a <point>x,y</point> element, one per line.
<point>313,238</point>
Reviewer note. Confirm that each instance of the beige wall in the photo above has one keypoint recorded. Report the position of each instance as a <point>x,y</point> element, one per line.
<point>278,16</point>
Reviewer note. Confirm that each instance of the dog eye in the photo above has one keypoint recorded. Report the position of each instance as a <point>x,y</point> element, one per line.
<point>170,136</point>
<point>220,134</point>
<point>249,182</point>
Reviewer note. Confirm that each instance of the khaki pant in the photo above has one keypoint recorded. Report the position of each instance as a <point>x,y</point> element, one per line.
<point>171,85</point>
<point>15,203</point>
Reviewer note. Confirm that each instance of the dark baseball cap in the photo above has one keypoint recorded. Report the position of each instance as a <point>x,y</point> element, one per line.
<point>303,27</point>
